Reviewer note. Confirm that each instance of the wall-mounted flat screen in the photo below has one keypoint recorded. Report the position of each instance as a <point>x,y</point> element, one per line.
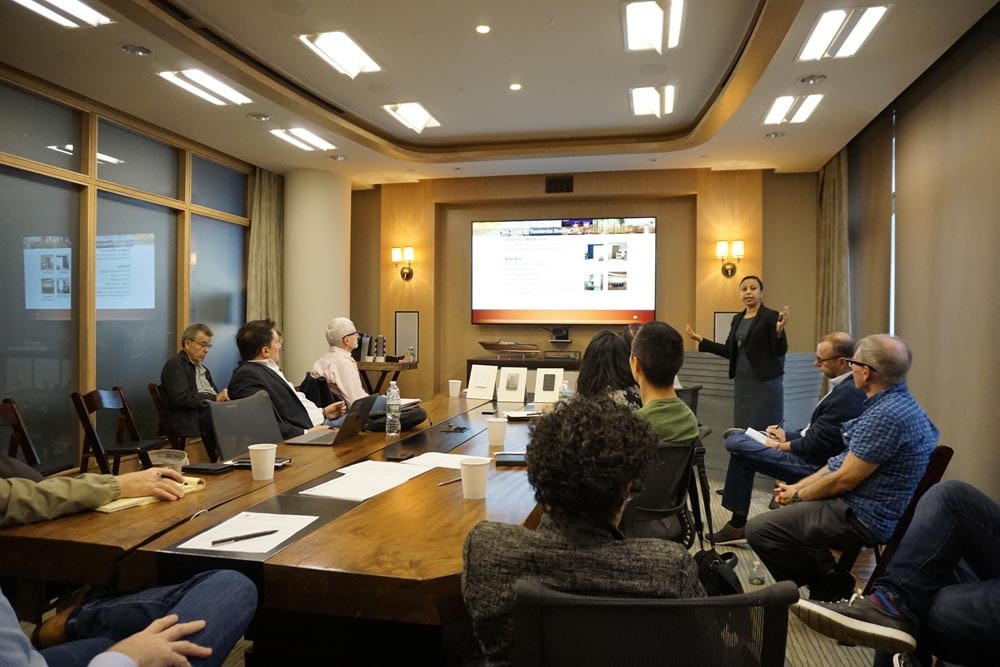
<point>568,271</point>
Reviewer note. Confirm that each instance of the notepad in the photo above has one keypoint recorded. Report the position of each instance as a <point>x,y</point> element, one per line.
<point>757,436</point>
<point>191,484</point>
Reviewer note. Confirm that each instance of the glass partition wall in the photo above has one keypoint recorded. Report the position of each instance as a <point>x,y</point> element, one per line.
<point>114,237</point>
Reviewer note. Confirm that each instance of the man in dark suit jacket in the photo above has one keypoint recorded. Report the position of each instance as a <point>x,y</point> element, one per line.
<point>185,382</point>
<point>797,454</point>
<point>259,346</point>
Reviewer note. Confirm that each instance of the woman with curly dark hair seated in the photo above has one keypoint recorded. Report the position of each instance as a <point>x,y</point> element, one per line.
<point>604,371</point>
<point>585,458</point>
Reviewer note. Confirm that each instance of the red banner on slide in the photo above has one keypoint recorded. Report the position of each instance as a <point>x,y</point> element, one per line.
<point>562,316</point>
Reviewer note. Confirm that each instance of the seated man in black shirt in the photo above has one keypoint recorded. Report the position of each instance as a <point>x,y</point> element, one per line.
<point>185,382</point>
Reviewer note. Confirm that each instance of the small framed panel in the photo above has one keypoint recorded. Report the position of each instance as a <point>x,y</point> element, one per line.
<point>547,384</point>
<point>482,382</point>
<point>512,385</point>
<point>407,332</point>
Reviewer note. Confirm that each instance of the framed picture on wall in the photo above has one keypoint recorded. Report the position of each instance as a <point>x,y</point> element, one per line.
<point>407,332</point>
<point>723,322</point>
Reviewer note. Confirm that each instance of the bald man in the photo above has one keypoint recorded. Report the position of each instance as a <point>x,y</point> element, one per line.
<point>859,496</point>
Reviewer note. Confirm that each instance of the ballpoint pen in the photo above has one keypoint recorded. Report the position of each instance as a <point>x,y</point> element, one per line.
<point>240,538</point>
<point>450,481</point>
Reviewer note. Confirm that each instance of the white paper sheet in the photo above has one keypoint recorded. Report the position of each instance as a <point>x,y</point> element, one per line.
<point>439,460</point>
<point>757,435</point>
<point>385,468</point>
<point>245,523</point>
<point>365,480</point>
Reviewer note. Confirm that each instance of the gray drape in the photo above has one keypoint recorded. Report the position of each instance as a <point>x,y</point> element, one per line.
<point>265,266</point>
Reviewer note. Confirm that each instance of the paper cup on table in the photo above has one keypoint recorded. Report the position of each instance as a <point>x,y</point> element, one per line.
<point>497,429</point>
<point>262,461</point>
<point>475,472</point>
<point>454,387</point>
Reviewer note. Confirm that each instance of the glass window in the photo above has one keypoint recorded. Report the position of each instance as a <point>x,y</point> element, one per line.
<point>39,222</point>
<point>136,293</point>
<point>39,130</point>
<point>219,187</point>
<point>218,289</point>
<point>135,160</point>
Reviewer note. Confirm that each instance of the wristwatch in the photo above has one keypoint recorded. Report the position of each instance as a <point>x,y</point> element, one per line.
<point>795,497</point>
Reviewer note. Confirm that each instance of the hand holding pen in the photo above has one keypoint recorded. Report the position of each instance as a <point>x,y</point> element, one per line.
<point>776,432</point>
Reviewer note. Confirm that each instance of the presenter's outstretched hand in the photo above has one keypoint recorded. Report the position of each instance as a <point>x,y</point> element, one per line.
<point>161,644</point>
<point>691,334</point>
<point>782,319</point>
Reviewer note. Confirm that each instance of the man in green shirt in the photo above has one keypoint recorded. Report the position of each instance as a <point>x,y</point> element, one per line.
<point>657,355</point>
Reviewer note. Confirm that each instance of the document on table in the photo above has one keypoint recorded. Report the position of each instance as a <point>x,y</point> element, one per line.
<point>439,460</point>
<point>246,523</point>
<point>365,480</point>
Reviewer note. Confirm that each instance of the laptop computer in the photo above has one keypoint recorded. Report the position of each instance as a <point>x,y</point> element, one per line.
<point>352,425</point>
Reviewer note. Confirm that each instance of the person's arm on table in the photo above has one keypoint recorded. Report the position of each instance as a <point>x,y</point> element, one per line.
<point>24,501</point>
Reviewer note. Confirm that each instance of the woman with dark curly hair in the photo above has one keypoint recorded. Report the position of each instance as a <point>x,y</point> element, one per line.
<point>584,460</point>
<point>604,371</point>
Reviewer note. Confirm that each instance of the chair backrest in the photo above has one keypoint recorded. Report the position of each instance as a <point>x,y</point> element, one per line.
<point>316,390</point>
<point>164,428</point>
<point>95,401</point>
<point>660,508</point>
<point>239,423</point>
<point>689,395</point>
<point>936,467</point>
<point>557,629</point>
<point>19,439</point>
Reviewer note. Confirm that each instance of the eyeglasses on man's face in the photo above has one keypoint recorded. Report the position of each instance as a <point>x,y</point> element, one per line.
<point>821,360</point>
<point>201,344</point>
<point>855,362</point>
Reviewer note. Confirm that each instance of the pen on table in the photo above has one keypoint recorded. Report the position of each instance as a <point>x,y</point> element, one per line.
<point>450,481</point>
<point>489,412</point>
<point>240,538</point>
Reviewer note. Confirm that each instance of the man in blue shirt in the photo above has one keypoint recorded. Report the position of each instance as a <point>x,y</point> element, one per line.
<point>859,496</point>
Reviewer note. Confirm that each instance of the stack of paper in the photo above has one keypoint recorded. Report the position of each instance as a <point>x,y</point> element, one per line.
<point>365,480</point>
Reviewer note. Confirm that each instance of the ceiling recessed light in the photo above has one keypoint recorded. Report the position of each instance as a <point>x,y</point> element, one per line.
<point>840,33</point>
<point>259,117</point>
<point>644,26</point>
<point>340,52</point>
<point>136,50</point>
<point>338,158</point>
<point>312,139</point>
<point>283,134</point>
<point>652,101</point>
<point>515,86</point>
<point>813,79</point>
<point>482,29</point>
<point>206,87</point>
<point>791,109</point>
<point>769,135</point>
<point>70,9</point>
<point>674,25</point>
<point>413,115</point>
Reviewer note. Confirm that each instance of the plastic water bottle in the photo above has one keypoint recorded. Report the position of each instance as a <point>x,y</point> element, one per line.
<point>756,572</point>
<point>392,410</point>
<point>564,393</point>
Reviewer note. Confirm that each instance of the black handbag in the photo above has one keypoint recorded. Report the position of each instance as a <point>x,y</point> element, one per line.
<point>717,572</point>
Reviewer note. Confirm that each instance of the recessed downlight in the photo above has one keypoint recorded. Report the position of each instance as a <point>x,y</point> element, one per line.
<point>259,117</point>
<point>482,29</point>
<point>515,87</point>
<point>813,79</point>
<point>136,50</point>
<point>769,135</point>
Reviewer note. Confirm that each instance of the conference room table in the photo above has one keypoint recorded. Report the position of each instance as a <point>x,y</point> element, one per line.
<point>392,561</point>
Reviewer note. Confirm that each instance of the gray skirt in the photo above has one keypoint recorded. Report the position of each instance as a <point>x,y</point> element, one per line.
<point>756,403</point>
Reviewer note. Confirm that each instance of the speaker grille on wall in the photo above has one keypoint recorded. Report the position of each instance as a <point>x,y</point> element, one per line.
<point>558,184</point>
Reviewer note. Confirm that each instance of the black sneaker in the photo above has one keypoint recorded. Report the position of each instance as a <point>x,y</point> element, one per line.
<point>729,534</point>
<point>904,660</point>
<point>858,622</point>
<point>732,431</point>
<point>835,585</point>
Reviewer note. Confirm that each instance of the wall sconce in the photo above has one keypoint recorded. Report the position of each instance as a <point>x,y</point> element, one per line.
<point>403,255</point>
<point>722,253</point>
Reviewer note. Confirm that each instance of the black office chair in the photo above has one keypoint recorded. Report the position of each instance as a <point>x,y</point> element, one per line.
<point>661,509</point>
<point>557,629</point>
<point>689,395</point>
<point>243,422</point>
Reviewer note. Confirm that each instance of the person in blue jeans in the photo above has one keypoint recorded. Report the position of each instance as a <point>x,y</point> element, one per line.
<point>941,590</point>
<point>791,456</point>
<point>197,622</point>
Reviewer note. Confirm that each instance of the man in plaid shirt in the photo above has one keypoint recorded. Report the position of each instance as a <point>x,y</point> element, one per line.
<point>859,496</point>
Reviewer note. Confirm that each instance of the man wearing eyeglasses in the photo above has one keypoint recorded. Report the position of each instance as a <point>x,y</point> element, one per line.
<point>790,456</point>
<point>860,494</point>
<point>185,382</point>
<point>337,365</point>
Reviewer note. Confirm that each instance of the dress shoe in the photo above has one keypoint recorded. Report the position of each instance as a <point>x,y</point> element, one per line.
<point>52,631</point>
<point>728,534</point>
<point>732,431</point>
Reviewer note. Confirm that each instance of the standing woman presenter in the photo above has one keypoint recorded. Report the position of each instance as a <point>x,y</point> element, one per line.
<point>756,348</point>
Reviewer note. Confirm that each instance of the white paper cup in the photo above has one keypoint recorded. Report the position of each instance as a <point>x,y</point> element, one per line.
<point>497,429</point>
<point>475,472</point>
<point>369,358</point>
<point>454,387</point>
<point>262,461</point>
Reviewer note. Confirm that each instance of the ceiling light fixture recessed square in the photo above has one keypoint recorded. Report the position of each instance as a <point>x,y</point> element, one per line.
<point>840,33</point>
<point>71,9</point>
<point>652,101</point>
<point>283,134</point>
<point>174,78</point>
<point>790,109</point>
<point>644,26</point>
<point>312,139</point>
<point>340,52</point>
<point>213,85</point>
<point>413,115</point>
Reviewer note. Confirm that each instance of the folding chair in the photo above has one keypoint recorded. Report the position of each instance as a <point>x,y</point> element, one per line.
<point>102,399</point>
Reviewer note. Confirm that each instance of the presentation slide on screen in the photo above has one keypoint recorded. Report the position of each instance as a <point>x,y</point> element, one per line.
<point>579,265</point>
<point>125,272</point>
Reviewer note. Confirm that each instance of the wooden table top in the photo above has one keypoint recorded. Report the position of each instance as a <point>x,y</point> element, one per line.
<point>397,556</point>
<point>86,548</point>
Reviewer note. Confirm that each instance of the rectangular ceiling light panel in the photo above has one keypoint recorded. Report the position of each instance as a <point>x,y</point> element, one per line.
<point>71,14</point>
<point>340,52</point>
<point>413,115</point>
<point>840,33</point>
